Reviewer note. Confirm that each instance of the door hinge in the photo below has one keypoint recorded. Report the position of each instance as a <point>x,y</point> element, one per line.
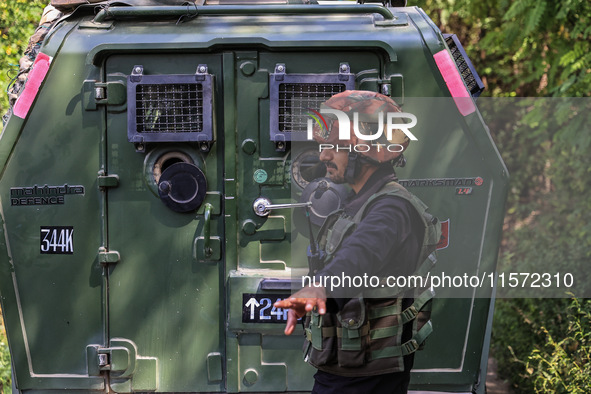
<point>106,257</point>
<point>393,86</point>
<point>103,93</point>
<point>105,181</point>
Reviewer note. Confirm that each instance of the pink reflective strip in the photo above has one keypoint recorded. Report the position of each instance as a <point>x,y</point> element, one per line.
<point>36,76</point>
<point>454,82</point>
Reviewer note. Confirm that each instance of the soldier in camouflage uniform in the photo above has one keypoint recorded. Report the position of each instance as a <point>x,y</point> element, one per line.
<point>365,343</point>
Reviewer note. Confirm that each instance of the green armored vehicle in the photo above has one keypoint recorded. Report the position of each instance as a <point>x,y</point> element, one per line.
<point>151,169</point>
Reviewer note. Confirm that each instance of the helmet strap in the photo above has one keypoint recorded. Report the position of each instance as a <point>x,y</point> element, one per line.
<point>353,167</point>
<point>400,161</point>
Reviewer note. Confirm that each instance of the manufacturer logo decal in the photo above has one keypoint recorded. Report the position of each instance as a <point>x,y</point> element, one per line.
<point>42,195</point>
<point>463,191</point>
<point>439,182</point>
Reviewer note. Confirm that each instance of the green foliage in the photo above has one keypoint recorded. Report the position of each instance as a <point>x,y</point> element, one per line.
<point>18,20</point>
<point>564,365</point>
<point>547,226</point>
<point>533,48</point>
<point>519,328</point>
<point>555,336</point>
<point>523,47</point>
<point>550,203</point>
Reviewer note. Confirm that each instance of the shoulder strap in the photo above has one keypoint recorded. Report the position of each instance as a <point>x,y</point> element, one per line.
<point>390,188</point>
<point>432,225</point>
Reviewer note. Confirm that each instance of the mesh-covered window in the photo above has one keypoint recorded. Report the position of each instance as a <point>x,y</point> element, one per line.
<point>170,108</point>
<point>296,100</point>
<point>463,67</point>
<point>292,96</point>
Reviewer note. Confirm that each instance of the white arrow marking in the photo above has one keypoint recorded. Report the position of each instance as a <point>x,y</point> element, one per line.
<point>252,303</point>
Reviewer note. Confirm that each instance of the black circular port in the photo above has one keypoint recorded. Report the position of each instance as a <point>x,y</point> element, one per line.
<point>182,187</point>
<point>166,160</point>
<point>171,161</point>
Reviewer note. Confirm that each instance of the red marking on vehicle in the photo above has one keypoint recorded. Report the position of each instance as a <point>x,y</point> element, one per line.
<point>454,82</point>
<point>444,240</point>
<point>36,76</point>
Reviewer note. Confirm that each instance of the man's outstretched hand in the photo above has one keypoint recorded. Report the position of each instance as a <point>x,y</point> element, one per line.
<point>301,302</point>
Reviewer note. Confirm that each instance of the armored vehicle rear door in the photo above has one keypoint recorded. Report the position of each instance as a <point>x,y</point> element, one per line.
<point>165,228</point>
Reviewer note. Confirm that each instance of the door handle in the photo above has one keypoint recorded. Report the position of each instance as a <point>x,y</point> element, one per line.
<point>207,250</point>
<point>263,207</point>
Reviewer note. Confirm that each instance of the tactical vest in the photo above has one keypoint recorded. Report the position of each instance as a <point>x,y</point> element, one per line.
<point>365,337</point>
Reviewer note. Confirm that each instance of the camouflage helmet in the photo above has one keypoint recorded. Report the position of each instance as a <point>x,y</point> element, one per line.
<point>369,109</point>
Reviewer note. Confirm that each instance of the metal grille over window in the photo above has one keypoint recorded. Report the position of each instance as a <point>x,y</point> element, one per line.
<point>296,100</point>
<point>169,108</point>
<point>467,70</point>
<point>293,96</point>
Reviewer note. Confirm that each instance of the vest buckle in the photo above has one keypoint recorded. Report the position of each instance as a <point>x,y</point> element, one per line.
<point>409,314</point>
<point>409,347</point>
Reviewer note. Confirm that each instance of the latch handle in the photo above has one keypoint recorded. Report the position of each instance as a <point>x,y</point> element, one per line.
<point>262,206</point>
<point>207,250</point>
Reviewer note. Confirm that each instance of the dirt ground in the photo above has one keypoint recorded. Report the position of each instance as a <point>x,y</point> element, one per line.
<point>494,385</point>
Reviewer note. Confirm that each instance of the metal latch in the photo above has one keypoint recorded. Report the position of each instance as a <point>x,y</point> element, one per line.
<point>201,72</point>
<point>103,361</point>
<point>136,73</point>
<point>344,72</point>
<point>279,71</point>
<point>120,359</point>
